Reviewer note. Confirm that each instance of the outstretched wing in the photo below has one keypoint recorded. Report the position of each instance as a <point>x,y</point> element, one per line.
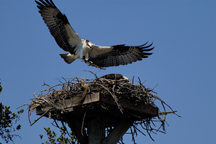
<point>119,55</point>
<point>58,25</point>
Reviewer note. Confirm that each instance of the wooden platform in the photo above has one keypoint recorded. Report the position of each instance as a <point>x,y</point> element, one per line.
<point>96,113</point>
<point>99,106</point>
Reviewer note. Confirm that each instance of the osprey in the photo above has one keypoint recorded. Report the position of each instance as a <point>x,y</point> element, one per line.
<point>94,55</point>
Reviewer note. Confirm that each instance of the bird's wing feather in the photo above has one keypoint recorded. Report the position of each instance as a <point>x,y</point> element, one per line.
<point>100,50</point>
<point>118,55</point>
<point>58,25</point>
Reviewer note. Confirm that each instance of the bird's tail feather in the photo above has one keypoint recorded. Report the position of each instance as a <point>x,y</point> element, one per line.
<point>68,58</point>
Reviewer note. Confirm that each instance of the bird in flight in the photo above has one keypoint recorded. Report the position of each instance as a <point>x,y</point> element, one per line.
<point>78,48</point>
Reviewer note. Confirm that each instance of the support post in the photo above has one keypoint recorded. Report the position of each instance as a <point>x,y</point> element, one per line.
<point>96,131</point>
<point>75,126</point>
<point>118,132</point>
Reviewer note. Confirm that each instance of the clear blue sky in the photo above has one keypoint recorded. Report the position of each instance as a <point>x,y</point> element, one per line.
<point>183,63</point>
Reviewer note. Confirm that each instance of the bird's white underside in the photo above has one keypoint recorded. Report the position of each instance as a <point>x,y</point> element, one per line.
<point>82,49</point>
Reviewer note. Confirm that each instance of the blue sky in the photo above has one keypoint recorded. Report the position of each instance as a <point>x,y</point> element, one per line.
<point>183,63</point>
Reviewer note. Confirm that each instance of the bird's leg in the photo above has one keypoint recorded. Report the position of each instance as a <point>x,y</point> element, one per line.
<point>81,54</point>
<point>87,57</point>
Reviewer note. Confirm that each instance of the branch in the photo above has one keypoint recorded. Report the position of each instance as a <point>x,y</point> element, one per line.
<point>40,117</point>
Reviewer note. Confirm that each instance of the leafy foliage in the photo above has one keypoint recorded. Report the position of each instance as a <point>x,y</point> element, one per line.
<point>62,139</point>
<point>0,87</point>
<point>7,121</point>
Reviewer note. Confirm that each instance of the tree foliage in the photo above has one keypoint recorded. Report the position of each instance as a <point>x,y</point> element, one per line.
<point>0,87</point>
<point>62,139</point>
<point>8,122</point>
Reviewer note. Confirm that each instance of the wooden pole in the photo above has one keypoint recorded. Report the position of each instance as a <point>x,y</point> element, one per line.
<point>75,126</point>
<point>96,131</point>
<point>118,132</point>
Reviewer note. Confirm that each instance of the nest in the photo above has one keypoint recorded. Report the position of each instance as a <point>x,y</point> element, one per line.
<point>110,98</point>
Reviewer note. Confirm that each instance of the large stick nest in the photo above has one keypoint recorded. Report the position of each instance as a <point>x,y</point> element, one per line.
<point>114,85</point>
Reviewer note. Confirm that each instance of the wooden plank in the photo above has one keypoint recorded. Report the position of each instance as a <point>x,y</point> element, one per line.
<point>68,104</point>
<point>118,132</point>
<point>88,99</point>
<point>128,104</point>
<point>92,98</point>
<point>96,131</point>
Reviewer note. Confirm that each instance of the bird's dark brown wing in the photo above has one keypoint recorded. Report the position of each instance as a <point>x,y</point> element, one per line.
<point>58,25</point>
<point>121,55</point>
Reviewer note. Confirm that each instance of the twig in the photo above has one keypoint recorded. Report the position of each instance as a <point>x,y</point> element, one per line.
<point>22,105</point>
<point>92,73</point>
<point>40,117</point>
<point>114,97</point>
<point>83,122</point>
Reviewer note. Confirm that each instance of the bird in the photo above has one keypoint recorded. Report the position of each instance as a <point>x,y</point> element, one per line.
<point>79,48</point>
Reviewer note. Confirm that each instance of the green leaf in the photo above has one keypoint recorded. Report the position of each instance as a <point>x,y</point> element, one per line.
<point>41,136</point>
<point>18,127</point>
